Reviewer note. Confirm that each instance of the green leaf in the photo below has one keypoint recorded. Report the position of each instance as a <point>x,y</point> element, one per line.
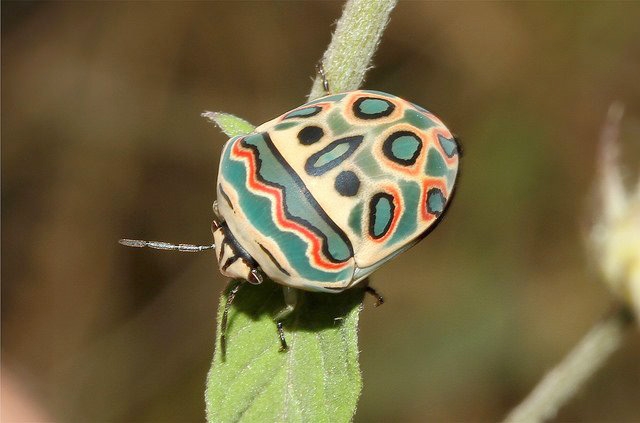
<point>229,124</point>
<point>317,380</point>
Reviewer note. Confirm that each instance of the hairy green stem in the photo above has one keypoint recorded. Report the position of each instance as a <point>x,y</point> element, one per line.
<point>565,380</point>
<point>356,39</point>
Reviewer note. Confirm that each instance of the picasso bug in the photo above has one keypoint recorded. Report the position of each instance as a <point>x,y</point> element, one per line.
<point>321,196</point>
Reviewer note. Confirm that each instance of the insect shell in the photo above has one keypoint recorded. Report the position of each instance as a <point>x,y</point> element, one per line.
<point>321,196</point>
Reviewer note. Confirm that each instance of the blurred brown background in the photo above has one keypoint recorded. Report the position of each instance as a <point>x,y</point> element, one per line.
<point>102,138</point>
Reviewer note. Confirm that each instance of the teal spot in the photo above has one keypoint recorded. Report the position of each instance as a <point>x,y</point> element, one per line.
<point>355,219</point>
<point>436,165</point>
<point>373,106</point>
<point>368,164</point>
<point>448,145</point>
<point>284,125</point>
<point>382,215</point>
<point>402,147</point>
<point>405,147</point>
<point>332,154</point>
<point>337,124</point>
<point>435,201</point>
<point>305,112</point>
<point>408,220</point>
<point>417,119</point>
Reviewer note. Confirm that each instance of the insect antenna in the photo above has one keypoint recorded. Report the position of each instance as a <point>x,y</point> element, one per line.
<point>160,245</point>
<point>225,315</point>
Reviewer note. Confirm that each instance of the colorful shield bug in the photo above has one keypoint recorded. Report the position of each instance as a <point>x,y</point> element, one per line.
<point>321,196</point>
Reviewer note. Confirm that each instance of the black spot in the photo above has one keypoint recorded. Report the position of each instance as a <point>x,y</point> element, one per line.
<point>310,135</point>
<point>347,183</point>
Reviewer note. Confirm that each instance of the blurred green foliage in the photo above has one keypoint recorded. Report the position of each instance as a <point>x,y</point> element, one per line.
<point>102,138</point>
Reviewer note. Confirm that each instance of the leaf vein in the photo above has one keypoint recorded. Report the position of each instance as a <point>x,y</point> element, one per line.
<point>259,391</point>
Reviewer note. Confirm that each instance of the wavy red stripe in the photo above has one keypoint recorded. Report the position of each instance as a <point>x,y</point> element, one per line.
<point>282,220</point>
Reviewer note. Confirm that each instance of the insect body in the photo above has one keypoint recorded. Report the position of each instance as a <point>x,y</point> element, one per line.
<point>321,196</point>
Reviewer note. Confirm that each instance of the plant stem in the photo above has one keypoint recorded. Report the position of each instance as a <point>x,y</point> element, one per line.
<point>564,381</point>
<point>353,44</point>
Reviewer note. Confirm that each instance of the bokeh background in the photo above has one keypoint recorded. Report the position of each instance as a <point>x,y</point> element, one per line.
<point>102,138</point>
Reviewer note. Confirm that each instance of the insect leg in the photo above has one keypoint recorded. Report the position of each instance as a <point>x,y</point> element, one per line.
<point>225,315</point>
<point>323,76</point>
<point>378,297</point>
<point>290,300</point>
